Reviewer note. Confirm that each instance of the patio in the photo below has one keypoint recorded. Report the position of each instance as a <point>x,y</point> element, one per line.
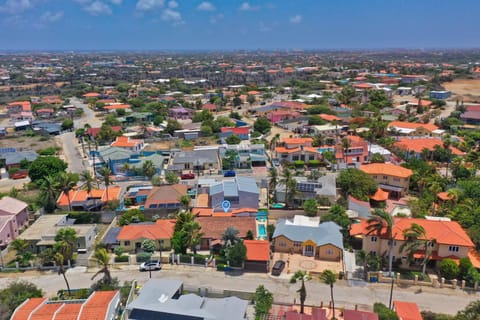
<point>297,262</point>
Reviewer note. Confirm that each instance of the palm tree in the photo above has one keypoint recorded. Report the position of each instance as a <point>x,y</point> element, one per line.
<point>345,145</point>
<point>290,185</point>
<point>88,179</point>
<point>194,235</point>
<point>301,275</point>
<point>59,261</point>
<point>126,167</point>
<point>318,140</point>
<point>148,169</point>
<point>50,192</point>
<point>105,172</point>
<point>20,246</point>
<point>103,259</point>
<point>230,236</point>
<point>185,201</point>
<point>416,239</point>
<point>274,141</point>
<point>272,182</point>
<point>329,278</point>
<point>381,224</point>
<point>66,183</point>
<point>65,242</point>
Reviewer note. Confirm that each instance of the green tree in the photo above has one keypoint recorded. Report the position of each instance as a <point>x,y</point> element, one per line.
<point>290,186</point>
<point>149,169</point>
<point>251,99</point>
<point>194,235</point>
<point>310,207</point>
<point>131,216</point>
<point>15,294</point>
<point>20,246</point>
<point>65,241</point>
<point>102,258</point>
<point>66,182</point>
<point>377,158</point>
<point>185,200</point>
<point>236,254</point>
<point>105,173</point>
<point>262,125</point>
<point>230,237</point>
<point>471,312</point>
<point>106,134</point>
<point>49,194</point>
<point>67,124</point>
<point>464,267</point>
<point>148,246</point>
<point>383,312</point>
<point>272,181</point>
<point>356,183</point>
<point>179,242</point>
<point>233,139</point>
<point>449,269</point>
<point>237,101</point>
<point>46,166</point>
<point>329,278</point>
<point>338,214</point>
<point>301,275</point>
<point>381,224</point>
<point>263,302</point>
<point>88,180</point>
<point>172,126</point>
<point>416,239</point>
<point>171,178</point>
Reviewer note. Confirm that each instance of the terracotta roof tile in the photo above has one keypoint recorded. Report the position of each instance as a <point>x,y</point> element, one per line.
<point>69,311</point>
<point>97,305</point>
<point>285,150</point>
<point>257,250</point>
<point>24,310</point>
<point>386,169</point>
<point>407,310</point>
<point>417,145</point>
<point>298,141</point>
<point>214,227</point>
<point>162,229</point>
<point>166,194</point>
<point>117,106</point>
<point>46,311</point>
<point>410,125</point>
<point>380,195</point>
<point>126,142</point>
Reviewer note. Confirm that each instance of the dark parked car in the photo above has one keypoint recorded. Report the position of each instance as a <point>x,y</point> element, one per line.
<point>188,176</point>
<point>229,173</point>
<point>19,175</point>
<point>278,267</point>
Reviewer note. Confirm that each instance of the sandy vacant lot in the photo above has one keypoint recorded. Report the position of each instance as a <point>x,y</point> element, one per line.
<point>464,86</point>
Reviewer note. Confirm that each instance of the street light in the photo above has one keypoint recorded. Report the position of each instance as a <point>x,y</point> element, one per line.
<point>391,291</point>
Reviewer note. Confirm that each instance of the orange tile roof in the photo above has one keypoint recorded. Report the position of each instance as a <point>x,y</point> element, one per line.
<point>298,140</point>
<point>424,103</point>
<point>362,86</point>
<point>474,257</point>
<point>253,92</point>
<point>80,195</point>
<point>329,117</point>
<point>202,212</point>
<point>257,250</point>
<point>166,194</point>
<point>244,210</point>
<point>69,311</point>
<point>380,195</point>
<point>97,305</point>
<point>126,142</point>
<point>162,229</point>
<point>113,193</point>
<point>45,312</point>
<point>407,310</point>
<point>410,125</point>
<point>91,95</point>
<point>285,150</point>
<point>444,196</point>
<point>26,105</point>
<point>23,311</point>
<point>387,169</point>
<point>444,232</point>
<point>418,145</point>
<point>117,106</point>
<point>311,149</point>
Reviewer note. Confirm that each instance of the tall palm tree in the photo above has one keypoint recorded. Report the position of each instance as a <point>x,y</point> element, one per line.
<point>50,192</point>
<point>230,236</point>
<point>148,169</point>
<point>185,201</point>
<point>301,275</point>
<point>329,278</point>
<point>105,172</point>
<point>88,180</point>
<point>103,259</point>
<point>416,239</point>
<point>59,261</point>
<point>290,185</point>
<point>65,242</point>
<point>381,224</point>
<point>345,145</point>
<point>194,234</point>
<point>318,140</point>
<point>272,182</point>
<point>66,183</point>
<point>274,141</point>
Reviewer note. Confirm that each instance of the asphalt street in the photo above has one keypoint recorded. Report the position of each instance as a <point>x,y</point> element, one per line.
<point>447,301</point>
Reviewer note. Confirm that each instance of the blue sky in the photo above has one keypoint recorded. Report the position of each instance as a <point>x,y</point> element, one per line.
<point>232,24</point>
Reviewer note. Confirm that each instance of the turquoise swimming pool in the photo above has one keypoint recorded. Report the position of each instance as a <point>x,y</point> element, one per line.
<point>262,232</point>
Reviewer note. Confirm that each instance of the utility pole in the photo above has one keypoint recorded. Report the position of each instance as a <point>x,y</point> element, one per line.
<point>391,291</point>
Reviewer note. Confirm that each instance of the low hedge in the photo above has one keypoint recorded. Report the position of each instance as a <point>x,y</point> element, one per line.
<point>123,258</point>
<point>143,256</point>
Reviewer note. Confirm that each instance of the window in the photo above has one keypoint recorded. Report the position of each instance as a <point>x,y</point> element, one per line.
<point>127,243</point>
<point>374,177</point>
<point>282,244</point>
<point>385,177</point>
<point>160,242</point>
<point>431,244</point>
<point>311,157</point>
<point>453,248</point>
<point>373,253</point>
<point>297,244</point>
<point>373,239</point>
<point>394,243</point>
<point>396,179</point>
<point>329,252</point>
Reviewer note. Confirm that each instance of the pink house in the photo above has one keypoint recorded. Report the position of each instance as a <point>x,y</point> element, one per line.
<point>13,218</point>
<point>280,115</point>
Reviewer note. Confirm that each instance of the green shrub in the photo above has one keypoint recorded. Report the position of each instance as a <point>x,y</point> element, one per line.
<point>313,163</point>
<point>123,258</point>
<point>143,256</point>
<point>449,269</point>
<point>84,217</point>
<point>299,163</point>
<point>47,151</point>
<point>383,312</point>
<point>220,267</point>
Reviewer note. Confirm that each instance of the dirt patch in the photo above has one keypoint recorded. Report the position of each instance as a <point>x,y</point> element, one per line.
<point>28,143</point>
<point>467,89</point>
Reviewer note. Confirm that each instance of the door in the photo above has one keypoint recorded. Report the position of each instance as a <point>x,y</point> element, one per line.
<point>309,250</point>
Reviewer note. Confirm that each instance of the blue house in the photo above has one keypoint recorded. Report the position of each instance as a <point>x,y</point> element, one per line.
<point>441,95</point>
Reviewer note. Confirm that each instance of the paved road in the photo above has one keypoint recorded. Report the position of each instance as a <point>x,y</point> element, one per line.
<point>88,115</point>
<point>439,300</point>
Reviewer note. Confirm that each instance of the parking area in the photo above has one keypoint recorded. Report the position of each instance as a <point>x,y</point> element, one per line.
<point>297,262</point>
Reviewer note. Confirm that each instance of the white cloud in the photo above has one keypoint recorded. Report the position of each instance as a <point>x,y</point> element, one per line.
<point>248,7</point>
<point>51,16</point>
<point>16,6</point>
<point>146,5</point>
<point>172,4</point>
<point>170,15</point>
<point>98,8</point>
<point>117,2</point>
<point>206,6</point>
<point>216,18</point>
<point>296,19</point>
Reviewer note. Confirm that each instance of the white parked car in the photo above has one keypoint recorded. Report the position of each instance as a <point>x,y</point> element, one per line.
<point>150,265</point>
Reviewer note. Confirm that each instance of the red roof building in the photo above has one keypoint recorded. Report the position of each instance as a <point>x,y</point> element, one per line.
<point>407,310</point>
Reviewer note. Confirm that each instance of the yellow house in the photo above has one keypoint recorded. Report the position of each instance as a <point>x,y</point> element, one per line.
<point>451,241</point>
<point>391,178</point>
<point>132,236</point>
<point>309,238</point>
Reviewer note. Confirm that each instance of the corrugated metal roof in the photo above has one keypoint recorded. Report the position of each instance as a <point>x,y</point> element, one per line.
<point>230,188</point>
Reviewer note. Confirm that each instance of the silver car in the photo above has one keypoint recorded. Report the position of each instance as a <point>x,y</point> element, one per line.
<point>150,265</point>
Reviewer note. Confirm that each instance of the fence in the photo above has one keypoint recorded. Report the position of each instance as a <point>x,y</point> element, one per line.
<point>133,288</point>
<point>192,260</point>
<point>218,293</point>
